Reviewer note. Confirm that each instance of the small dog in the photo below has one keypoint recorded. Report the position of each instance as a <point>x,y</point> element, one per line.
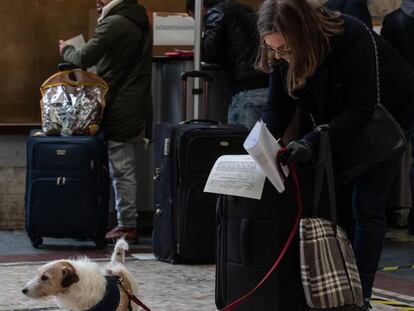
<point>81,284</point>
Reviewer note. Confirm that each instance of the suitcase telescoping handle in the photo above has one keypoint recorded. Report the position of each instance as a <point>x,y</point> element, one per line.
<point>196,91</point>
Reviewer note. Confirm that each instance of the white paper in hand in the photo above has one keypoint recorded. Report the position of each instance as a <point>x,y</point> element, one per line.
<point>263,147</point>
<point>237,175</point>
<point>77,42</point>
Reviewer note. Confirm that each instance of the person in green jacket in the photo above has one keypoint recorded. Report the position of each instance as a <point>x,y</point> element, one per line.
<point>121,50</point>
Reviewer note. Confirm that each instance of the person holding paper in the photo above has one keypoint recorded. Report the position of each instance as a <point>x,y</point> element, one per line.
<point>325,63</point>
<point>230,39</point>
<point>121,49</point>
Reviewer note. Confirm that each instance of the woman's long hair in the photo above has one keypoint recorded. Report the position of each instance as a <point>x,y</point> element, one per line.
<point>306,27</point>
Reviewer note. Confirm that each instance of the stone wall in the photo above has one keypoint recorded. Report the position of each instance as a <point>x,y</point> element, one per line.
<point>12,181</point>
<point>12,198</point>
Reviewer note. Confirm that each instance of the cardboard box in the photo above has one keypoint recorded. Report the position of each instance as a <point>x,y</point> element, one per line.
<point>173,29</point>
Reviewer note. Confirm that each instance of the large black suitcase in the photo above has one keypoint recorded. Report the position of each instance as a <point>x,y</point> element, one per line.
<point>184,220</point>
<point>67,187</point>
<point>251,234</point>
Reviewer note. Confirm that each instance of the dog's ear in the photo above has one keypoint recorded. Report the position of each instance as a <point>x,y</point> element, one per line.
<point>69,276</point>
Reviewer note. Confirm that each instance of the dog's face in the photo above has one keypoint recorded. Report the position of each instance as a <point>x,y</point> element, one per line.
<point>51,280</point>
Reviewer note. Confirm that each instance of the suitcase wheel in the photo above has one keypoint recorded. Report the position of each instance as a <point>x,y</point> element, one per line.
<point>37,241</point>
<point>100,243</point>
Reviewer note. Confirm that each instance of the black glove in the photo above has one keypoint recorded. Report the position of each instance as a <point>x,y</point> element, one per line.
<point>299,151</point>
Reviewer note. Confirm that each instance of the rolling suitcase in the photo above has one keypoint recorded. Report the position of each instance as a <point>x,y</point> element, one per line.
<point>184,220</point>
<point>67,187</point>
<point>251,234</point>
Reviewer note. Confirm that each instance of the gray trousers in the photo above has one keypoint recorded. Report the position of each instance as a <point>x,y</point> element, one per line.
<point>122,169</point>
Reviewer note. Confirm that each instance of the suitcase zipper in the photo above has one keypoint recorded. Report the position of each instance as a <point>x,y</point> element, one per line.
<point>167,143</point>
<point>157,173</point>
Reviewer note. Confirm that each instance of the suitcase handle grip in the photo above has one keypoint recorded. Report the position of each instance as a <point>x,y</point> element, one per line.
<point>67,66</point>
<point>197,121</point>
<point>196,74</point>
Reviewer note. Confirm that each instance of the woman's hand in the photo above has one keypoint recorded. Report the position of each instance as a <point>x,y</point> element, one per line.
<point>299,151</point>
<point>62,45</point>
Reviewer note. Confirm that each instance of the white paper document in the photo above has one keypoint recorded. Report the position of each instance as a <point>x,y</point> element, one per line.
<point>263,147</point>
<point>77,42</point>
<point>237,175</point>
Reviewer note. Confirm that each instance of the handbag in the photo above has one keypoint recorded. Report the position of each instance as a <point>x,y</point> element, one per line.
<point>329,272</point>
<point>72,103</point>
<point>370,148</point>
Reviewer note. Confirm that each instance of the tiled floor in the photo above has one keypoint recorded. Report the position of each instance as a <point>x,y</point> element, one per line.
<point>180,287</point>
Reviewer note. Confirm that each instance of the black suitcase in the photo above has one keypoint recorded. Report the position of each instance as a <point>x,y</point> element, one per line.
<point>67,187</point>
<point>251,234</point>
<point>184,220</point>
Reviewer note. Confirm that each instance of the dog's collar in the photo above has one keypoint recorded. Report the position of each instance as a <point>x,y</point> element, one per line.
<point>112,297</point>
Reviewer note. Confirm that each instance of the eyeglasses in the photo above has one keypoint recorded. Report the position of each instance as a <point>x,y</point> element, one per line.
<point>280,52</point>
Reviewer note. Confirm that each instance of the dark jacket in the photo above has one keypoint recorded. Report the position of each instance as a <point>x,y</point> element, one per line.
<point>231,40</point>
<point>342,92</point>
<point>355,8</point>
<point>398,29</point>
<point>122,41</point>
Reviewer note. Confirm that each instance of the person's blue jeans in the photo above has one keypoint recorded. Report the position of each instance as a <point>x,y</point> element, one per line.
<point>122,169</point>
<point>246,107</point>
<point>370,195</point>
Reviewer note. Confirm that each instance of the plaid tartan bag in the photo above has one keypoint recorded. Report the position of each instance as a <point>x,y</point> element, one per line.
<point>329,273</point>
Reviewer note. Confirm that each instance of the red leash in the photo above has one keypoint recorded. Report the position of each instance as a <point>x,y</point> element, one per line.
<point>132,296</point>
<point>139,302</point>
<point>299,202</point>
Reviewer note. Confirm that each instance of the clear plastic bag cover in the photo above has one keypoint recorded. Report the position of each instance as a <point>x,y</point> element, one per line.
<point>69,110</point>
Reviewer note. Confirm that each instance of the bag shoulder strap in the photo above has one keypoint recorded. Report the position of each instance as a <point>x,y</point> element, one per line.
<point>324,168</point>
<point>376,55</point>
